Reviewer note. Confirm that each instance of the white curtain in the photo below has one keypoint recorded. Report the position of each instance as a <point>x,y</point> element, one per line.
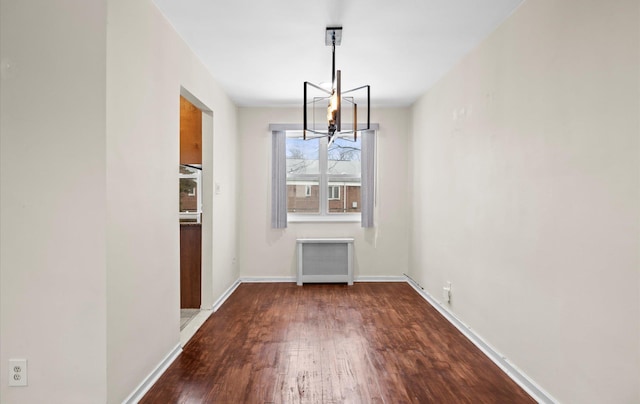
<point>279,180</point>
<point>368,177</point>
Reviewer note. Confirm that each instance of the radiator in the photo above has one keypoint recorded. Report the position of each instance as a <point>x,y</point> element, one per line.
<point>325,260</point>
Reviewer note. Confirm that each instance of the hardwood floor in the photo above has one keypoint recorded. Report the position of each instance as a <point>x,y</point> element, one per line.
<point>366,343</point>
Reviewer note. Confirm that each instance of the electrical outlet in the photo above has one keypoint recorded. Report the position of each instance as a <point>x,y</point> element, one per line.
<point>17,372</point>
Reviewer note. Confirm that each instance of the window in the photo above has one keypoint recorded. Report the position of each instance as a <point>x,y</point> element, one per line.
<point>302,172</point>
<point>190,193</point>
<point>322,179</point>
<point>334,192</point>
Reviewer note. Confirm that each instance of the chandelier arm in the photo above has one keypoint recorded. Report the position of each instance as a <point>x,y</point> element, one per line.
<point>355,122</point>
<point>354,89</point>
<point>317,132</point>
<point>318,87</point>
<point>368,108</point>
<point>339,104</point>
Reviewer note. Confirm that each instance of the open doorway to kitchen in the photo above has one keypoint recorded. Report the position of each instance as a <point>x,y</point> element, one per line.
<point>196,155</point>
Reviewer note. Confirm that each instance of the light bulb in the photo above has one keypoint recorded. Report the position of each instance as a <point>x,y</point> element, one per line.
<point>332,108</point>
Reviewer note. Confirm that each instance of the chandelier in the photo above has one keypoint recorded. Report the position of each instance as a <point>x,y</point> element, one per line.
<point>339,107</point>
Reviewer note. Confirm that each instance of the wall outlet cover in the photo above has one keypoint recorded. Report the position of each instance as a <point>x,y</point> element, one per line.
<point>17,372</point>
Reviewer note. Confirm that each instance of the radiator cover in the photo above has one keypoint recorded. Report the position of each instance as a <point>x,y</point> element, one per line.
<point>325,260</point>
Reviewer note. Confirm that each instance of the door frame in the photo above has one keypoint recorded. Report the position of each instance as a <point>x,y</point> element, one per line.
<point>206,283</point>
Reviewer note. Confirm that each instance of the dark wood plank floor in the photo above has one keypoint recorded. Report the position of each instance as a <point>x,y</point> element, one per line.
<point>366,343</point>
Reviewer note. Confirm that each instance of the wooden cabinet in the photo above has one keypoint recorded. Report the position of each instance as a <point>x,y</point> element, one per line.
<point>190,133</point>
<point>190,265</point>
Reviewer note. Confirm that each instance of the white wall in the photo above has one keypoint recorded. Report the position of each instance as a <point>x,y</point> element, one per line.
<point>267,252</point>
<point>526,195</point>
<point>89,235</point>
<point>52,199</point>
<point>147,65</point>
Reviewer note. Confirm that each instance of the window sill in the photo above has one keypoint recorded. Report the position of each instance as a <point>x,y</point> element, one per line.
<point>337,218</point>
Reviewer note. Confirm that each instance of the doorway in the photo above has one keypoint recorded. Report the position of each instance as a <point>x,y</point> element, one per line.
<point>190,194</point>
<point>196,214</point>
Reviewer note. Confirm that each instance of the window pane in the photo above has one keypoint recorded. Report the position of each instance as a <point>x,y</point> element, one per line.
<point>344,195</point>
<point>302,156</point>
<point>303,196</point>
<point>188,195</point>
<point>344,157</point>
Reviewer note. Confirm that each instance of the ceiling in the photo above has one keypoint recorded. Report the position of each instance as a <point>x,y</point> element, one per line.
<point>261,51</point>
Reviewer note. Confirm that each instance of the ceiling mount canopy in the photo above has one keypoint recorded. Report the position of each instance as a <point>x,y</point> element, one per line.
<point>339,107</point>
<point>333,36</point>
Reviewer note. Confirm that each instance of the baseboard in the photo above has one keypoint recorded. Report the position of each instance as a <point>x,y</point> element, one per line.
<point>524,381</point>
<point>275,279</point>
<point>216,305</point>
<point>153,377</point>
<point>267,279</point>
<point>380,279</point>
<point>146,384</point>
